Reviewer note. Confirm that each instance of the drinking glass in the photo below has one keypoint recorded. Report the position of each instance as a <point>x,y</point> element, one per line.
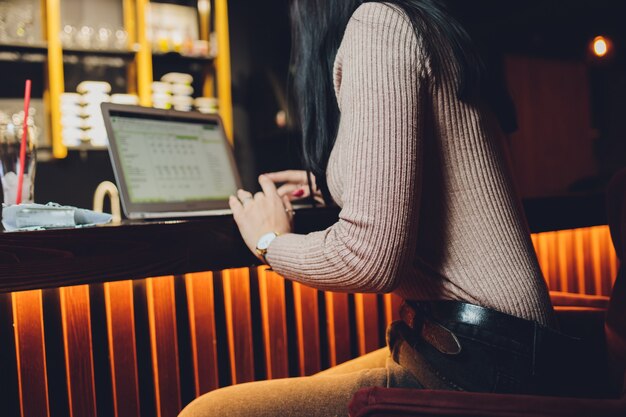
<point>10,140</point>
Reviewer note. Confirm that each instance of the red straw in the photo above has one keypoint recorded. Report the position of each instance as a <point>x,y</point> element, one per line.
<point>20,177</point>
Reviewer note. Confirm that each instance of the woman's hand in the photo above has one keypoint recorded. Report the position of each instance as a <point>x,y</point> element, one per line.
<point>295,185</point>
<point>262,213</point>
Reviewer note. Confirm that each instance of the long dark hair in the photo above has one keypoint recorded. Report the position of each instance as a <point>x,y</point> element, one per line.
<point>317,29</point>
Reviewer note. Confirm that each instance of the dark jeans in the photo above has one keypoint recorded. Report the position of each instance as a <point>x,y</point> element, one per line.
<point>443,351</point>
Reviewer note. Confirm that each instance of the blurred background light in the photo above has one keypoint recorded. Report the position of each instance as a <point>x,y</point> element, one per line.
<point>601,46</point>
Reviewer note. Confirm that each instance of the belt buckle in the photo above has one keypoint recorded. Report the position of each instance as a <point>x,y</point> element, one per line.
<point>440,338</point>
<point>430,331</point>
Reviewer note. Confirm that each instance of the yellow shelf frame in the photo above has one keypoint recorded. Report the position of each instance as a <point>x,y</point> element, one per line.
<point>135,24</point>
<point>222,67</point>
<point>56,81</point>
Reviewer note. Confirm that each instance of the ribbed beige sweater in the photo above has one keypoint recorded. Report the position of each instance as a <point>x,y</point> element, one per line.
<point>427,207</point>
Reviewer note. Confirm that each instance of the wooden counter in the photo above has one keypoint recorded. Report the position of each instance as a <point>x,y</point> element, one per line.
<point>134,250</point>
<point>131,250</point>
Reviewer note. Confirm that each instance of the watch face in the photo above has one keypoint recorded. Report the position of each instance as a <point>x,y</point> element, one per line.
<point>265,240</point>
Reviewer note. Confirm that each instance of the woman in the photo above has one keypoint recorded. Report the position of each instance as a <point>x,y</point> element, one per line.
<point>396,134</point>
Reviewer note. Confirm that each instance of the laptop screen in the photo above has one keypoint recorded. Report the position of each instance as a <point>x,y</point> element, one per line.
<point>169,162</point>
<point>172,161</point>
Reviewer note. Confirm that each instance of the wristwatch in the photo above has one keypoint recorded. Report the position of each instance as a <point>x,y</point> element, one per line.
<point>264,243</point>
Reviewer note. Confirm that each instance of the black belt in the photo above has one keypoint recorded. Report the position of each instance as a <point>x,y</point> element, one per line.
<point>522,331</point>
<point>552,353</point>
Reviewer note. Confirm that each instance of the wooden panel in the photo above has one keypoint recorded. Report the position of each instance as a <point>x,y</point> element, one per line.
<point>366,306</point>
<point>392,303</point>
<point>613,260</point>
<point>30,351</point>
<point>534,239</point>
<point>551,242</point>
<point>274,320</point>
<point>9,394</point>
<point>164,346</point>
<point>548,258</point>
<point>76,320</point>
<point>201,306</point>
<point>120,313</point>
<point>587,267</point>
<point>236,284</point>
<point>307,329</point>
<point>565,248</point>
<point>606,251</point>
<point>579,261</point>
<point>596,262</point>
<point>338,327</point>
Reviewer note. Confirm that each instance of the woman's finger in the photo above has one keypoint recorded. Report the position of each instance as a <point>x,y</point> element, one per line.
<point>288,208</point>
<point>244,196</point>
<point>291,175</point>
<point>287,204</point>
<point>287,189</point>
<point>235,205</point>
<point>267,185</point>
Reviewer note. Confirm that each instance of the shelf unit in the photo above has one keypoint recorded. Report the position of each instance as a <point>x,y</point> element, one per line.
<point>140,60</point>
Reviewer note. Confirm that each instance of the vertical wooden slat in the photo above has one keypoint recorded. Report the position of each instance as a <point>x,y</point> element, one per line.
<point>366,306</point>
<point>535,240</point>
<point>564,243</point>
<point>76,319</point>
<point>605,249</point>
<point>338,327</point>
<point>548,258</point>
<point>614,262</point>
<point>596,262</point>
<point>553,264</point>
<point>30,349</point>
<point>201,306</point>
<point>164,346</point>
<point>274,319</point>
<point>120,313</point>
<point>307,329</point>
<point>589,267</point>
<point>388,308</point>
<point>543,256</point>
<point>579,260</point>
<point>9,394</point>
<point>236,284</point>
<point>392,303</point>
<point>396,302</point>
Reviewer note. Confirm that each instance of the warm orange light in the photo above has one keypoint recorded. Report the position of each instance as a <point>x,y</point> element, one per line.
<point>580,261</point>
<point>601,46</point>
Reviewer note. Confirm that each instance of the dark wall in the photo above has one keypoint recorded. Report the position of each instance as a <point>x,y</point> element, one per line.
<point>72,181</point>
<point>260,48</point>
<point>560,33</point>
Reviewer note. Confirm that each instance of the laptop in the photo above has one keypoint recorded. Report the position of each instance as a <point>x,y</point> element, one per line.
<point>170,164</point>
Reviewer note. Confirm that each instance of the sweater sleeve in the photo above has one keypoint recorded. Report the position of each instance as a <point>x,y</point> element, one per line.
<point>379,95</point>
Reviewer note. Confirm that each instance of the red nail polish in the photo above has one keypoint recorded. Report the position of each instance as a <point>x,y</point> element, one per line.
<point>298,193</point>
